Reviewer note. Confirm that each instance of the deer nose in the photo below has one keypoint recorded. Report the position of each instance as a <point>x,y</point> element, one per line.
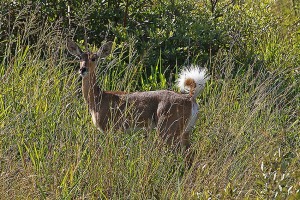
<point>83,71</point>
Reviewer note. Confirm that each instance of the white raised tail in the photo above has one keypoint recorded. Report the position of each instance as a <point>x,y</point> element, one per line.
<point>192,80</point>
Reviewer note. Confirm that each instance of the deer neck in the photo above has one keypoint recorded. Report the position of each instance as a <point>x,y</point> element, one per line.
<point>91,91</point>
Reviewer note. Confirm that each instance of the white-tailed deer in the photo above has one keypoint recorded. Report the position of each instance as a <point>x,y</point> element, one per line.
<point>173,114</point>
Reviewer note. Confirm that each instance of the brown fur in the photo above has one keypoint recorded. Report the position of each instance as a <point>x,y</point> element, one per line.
<point>191,84</point>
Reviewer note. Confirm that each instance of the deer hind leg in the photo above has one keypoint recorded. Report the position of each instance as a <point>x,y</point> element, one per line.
<point>176,138</point>
<point>167,125</point>
<point>187,151</point>
<point>172,127</point>
<point>171,130</point>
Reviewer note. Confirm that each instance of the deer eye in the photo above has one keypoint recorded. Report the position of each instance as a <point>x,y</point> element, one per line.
<point>94,58</point>
<point>81,58</point>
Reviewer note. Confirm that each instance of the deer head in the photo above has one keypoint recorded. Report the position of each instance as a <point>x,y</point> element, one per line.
<point>88,60</point>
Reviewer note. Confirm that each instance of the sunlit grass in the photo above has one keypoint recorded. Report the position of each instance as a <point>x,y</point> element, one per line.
<point>246,139</point>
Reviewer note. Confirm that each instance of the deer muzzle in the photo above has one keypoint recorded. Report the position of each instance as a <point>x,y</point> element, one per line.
<point>83,71</point>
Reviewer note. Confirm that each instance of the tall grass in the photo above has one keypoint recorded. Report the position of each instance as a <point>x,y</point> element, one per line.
<point>246,139</point>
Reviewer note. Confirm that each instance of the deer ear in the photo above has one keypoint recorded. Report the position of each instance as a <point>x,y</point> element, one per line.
<point>73,48</point>
<point>105,50</point>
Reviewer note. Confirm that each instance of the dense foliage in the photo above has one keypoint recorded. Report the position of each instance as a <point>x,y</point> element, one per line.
<point>247,138</point>
<point>179,32</point>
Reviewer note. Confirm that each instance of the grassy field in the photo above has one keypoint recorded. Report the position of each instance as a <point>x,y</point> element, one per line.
<point>247,138</point>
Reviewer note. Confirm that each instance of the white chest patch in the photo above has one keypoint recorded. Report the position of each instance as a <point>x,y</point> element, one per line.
<point>194,115</point>
<point>95,120</point>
